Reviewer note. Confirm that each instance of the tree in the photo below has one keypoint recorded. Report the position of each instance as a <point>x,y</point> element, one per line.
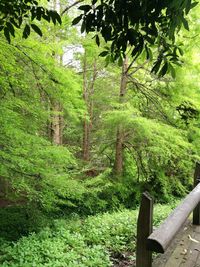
<point>88,92</point>
<point>31,79</point>
<point>138,25</point>
<point>118,165</point>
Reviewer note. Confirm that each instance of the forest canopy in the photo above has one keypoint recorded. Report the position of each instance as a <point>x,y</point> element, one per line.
<point>139,25</point>
<point>136,24</point>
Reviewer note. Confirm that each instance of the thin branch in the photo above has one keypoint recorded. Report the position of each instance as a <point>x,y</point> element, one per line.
<point>149,94</point>
<point>72,5</point>
<point>36,63</point>
<point>136,68</point>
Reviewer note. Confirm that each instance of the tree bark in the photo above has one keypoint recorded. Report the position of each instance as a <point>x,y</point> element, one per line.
<point>118,165</point>
<point>85,146</point>
<point>56,124</point>
<point>88,92</point>
<point>57,118</point>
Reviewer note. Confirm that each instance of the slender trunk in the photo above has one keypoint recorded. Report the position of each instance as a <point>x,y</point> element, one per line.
<point>91,102</point>
<point>61,125</point>
<point>118,165</point>
<point>56,133</point>
<point>85,147</point>
<point>88,98</point>
<point>57,118</point>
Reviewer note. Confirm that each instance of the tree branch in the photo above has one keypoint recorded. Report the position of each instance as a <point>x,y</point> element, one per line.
<point>69,7</point>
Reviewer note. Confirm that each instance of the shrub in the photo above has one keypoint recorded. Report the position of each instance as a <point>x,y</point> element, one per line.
<point>17,221</point>
<point>78,242</point>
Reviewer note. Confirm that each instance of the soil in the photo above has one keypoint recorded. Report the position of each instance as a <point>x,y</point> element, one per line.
<point>125,259</point>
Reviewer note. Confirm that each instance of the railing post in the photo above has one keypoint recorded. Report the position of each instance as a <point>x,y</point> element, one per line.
<point>144,229</point>
<point>196,212</point>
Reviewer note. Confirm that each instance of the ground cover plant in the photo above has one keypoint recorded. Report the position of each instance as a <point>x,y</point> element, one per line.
<point>91,241</point>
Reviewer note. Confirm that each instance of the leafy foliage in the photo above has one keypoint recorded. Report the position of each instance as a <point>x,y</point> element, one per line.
<point>19,13</point>
<point>34,169</point>
<point>139,24</point>
<point>74,242</point>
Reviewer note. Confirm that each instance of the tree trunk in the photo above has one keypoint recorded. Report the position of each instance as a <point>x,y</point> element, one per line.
<point>56,127</point>
<point>118,165</point>
<point>57,118</point>
<point>88,92</point>
<point>85,123</point>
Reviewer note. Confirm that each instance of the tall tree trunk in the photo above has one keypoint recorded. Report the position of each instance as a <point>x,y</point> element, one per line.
<point>56,127</point>
<point>57,118</point>
<point>91,94</point>
<point>88,92</point>
<point>85,146</point>
<point>118,165</point>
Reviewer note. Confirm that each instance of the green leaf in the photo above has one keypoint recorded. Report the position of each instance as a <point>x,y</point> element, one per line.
<point>13,22</point>
<point>55,17</point>
<point>104,53</point>
<point>33,13</point>
<point>156,66</point>
<point>85,8</point>
<point>172,71</point>
<point>77,19</point>
<point>185,24</point>
<point>107,60</point>
<point>58,18</point>
<point>180,51</point>
<point>194,4</point>
<point>164,69</point>
<point>11,28</point>
<point>7,34</point>
<point>26,31</point>
<point>97,40</point>
<point>149,54</point>
<point>188,6</point>
<point>83,27</point>
<point>36,29</point>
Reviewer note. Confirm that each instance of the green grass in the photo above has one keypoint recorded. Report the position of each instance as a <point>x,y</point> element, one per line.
<point>78,242</point>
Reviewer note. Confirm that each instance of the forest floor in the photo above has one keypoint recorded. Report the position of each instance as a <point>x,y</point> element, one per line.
<point>106,239</point>
<point>123,260</point>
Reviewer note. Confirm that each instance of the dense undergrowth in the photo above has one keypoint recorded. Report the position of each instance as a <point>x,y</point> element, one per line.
<point>75,241</point>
